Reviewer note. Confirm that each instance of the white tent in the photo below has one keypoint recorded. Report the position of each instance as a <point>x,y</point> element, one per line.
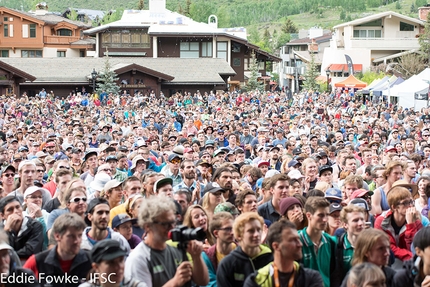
<point>405,92</point>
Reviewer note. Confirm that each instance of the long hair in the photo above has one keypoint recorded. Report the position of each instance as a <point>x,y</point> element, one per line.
<point>365,242</point>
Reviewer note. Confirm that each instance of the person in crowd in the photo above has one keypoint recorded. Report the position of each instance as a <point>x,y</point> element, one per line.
<point>249,256</point>
<point>130,186</point>
<point>157,217</point>
<point>366,274</point>
<point>62,177</point>
<point>318,247</point>
<point>7,178</point>
<point>67,257</point>
<point>25,233</point>
<point>107,259</point>
<point>196,216</point>
<point>123,224</point>
<point>246,201</point>
<point>292,209</point>
<point>286,246</point>
<point>279,188</point>
<point>213,195</point>
<point>221,228</point>
<point>112,192</point>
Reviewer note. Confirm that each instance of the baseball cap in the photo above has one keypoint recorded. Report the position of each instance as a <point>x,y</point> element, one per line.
<point>333,193</point>
<point>32,189</point>
<point>295,174</point>
<point>335,207</point>
<point>107,249</point>
<point>162,182</point>
<point>213,187</point>
<point>8,167</point>
<point>263,162</point>
<point>360,202</point>
<point>297,151</point>
<point>111,184</point>
<point>325,168</point>
<point>173,156</point>
<point>122,218</point>
<point>294,163</point>
<point>228,207</point>
<point>360,192</point>
<point>390,148</point>
<point>25,162</point>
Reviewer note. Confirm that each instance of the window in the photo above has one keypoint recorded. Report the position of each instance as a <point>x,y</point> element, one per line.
<point>32,30</point>
<point>6,30</point>
<point>126,39</point>
<point>236,62</point>
<point>221,50</point>
<point>189,49</point>
<point>31,54</point>
<point>5,19</point>
<point>82,53</point>
<point>4,54</point>
<point>61,54</point>
<point>207,49</point>
<point>25,30</point>
<point>406,27</point>
<point>367,33</point>
<point>64,32</point>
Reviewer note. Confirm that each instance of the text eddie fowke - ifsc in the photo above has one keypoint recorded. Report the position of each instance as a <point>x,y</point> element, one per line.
<point>25,278</point>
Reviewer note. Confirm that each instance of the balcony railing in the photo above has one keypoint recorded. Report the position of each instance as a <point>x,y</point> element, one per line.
<point>64,40</point>
<point>292,70</point>
<point>384,43</point>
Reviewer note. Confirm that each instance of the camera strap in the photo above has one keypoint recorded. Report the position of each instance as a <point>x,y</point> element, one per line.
<point>276,276</point>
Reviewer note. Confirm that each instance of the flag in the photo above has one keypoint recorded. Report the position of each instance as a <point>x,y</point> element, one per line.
<point>350,65</point>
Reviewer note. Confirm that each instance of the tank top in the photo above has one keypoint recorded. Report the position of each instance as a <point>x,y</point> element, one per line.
<point>384,202</point>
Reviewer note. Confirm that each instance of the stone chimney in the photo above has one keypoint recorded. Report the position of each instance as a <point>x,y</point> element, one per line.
<point>423,12</point>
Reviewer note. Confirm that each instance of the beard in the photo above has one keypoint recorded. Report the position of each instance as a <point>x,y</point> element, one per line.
<point>190,175</point>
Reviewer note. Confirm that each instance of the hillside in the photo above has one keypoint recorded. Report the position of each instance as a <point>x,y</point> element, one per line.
<point>253,14</point>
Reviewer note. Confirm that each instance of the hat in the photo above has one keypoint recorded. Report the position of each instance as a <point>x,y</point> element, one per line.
<point>107,249</point>
<point>294,163</point>
<point>13,140</point>
<point>162,182</point>
<point>218,151</point>
<point>209,143</point>
<point>286,203</point>
<point>111,157</point>
<point>66,146</point>
<point>140,143</point>
<point>4,246</point>
<point>172,137</point>
<point>135,160</point>
<point>333,193</point>
<point>295,174</point>
<point>122,218</point>
<point>360,202</point>
<point>212,187</point>
<point>335,207</point>
<point>227,207</point>
<point>32,189</point>
<point>325,168</point>
<point>262,129</point>
<point>390,148</point>
<point>373,143</point>
<point>50,144</point>
<point>260,148</point>
<point>413,188</point>
<point>17,156</point>
<point>297,151</point>
<point>271,173</point>
<point>173,156</point>
<point>203,162</point>
<point>179,150</point>
<point>99,181</point>
<point>24,163</point>
<point>89,154</point>
<point>49,159</point>
<point>8,167</point>
<point>111,184</point>
<point>360,192</point>
<point>322,154</point>
<point>273,148</point>
<point>187,150</point>
<point>93,203</point>
<point>203,152</point>
<point>263,162</point>
<point>23,148</point>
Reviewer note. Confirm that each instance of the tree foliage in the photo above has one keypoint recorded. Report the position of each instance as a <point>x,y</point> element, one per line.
<point>411,64</point>
<point>310,82</point>
<point>253,83</point>
<point>106,80</point>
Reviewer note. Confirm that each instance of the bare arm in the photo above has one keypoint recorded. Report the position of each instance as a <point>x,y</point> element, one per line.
<point>376,202</point>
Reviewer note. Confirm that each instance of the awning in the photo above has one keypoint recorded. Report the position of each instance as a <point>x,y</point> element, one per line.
<point>344,67</point>
<point>351,82</point>
<point>397,55</point>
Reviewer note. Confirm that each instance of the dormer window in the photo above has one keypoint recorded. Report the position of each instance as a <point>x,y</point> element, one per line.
<point>64,32</point>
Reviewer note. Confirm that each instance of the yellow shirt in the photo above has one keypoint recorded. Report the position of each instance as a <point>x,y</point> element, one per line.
<point>115,211</point>
<point>220,256</point>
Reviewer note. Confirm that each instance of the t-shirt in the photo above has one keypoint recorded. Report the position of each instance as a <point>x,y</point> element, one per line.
<point>154,267</point>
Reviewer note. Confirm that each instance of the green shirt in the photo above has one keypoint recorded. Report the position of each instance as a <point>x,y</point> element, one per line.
<point>322,261</point>
<point>348,253</point>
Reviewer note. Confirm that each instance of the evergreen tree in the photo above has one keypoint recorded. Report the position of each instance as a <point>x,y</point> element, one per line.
<point>289,27</point>
<point>106,80</point>
<point>310,82</point>
<point>253,83</point>
<point>141,5</point>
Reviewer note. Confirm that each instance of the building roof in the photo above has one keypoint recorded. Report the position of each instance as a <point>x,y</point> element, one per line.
<point>70,70</point>
<point>91,14</point>
<point>378,16</point>
<point>322,39</point>
<point>49,18</point>
<point>305,56</point>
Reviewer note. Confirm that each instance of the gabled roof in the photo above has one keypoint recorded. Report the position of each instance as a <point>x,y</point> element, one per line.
<point>305,56</point>
<point>48,18</point>
<point>70,70</point>
<point>378,16</point>
<point>322,39</point>
<point>123,68</point>
<point>16,71</point>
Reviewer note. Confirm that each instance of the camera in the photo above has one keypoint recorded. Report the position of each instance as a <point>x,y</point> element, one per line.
<point>184,234</point>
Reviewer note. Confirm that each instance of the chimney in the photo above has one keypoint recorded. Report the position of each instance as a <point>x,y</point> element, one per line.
<point>423,12</point>
<point>41,8</point>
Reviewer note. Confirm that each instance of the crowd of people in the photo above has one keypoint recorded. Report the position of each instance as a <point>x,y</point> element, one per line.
<point>213,189</point>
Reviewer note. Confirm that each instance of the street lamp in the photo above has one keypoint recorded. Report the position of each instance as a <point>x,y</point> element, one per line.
<point>94,77</point>
<point>327,72</point>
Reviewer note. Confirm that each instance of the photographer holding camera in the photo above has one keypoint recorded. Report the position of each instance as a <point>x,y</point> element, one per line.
<point>155,262</point>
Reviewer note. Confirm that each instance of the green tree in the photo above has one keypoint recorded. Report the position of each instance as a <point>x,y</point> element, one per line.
<point>424,41</point>
<point>342,15</point>
<point>106,80</point>
<point>141,5</point>
<point>73,15</point>
<point>289,27</point>
<point>111,17</point>
<point>254,36</point>
<point>369,76</point>
<point>253,83</point>
<point>310,82</point>
<point>398,6</point>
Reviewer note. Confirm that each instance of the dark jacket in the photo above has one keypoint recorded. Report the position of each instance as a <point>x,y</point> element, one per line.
<point>16,271</point>
<point>409,275</point>
<point>302,277</point>
<point>47,262</point>
<point>29,241</point>
<point>235,267</point>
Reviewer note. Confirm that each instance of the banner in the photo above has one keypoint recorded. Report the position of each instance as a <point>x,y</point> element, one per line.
<point>350,65</point>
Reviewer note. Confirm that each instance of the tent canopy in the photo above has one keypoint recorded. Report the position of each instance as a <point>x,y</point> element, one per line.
<point>351,82</point>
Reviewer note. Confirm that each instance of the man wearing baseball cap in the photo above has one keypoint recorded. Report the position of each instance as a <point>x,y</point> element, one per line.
<point>123,224</point>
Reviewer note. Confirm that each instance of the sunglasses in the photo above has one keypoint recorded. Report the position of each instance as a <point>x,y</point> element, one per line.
<point>78,199</point>
<point>9,174</point>
<point>65,167</point>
